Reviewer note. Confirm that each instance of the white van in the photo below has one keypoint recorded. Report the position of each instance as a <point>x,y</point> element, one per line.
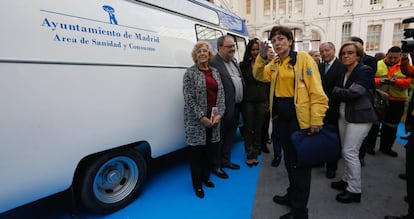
<point>90,91</point>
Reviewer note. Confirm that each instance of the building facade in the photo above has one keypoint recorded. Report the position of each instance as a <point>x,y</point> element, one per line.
<point>377,22</point>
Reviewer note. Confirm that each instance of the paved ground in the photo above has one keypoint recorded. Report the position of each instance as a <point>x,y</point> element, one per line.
<point>382,191</point>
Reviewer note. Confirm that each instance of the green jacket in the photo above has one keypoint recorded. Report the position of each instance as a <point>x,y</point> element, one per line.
<point>398,90</point>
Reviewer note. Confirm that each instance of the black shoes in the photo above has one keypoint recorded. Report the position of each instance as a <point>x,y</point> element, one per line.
<point>276,161</point>
<point>348,197</point>
<point>282,200</point>
<point>199,192</point>
<point>209,184</point>
<point>389,152</point>
<point>339,185</point>
<point>292,215</point>
<point>232,166</point>
<point>220,173</point>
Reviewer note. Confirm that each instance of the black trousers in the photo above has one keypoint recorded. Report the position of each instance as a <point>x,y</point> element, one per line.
<point>388,129</point>
<point>409,156</point>
<point>332,165</point>
<point>200,161</point>
<point>228,128</point>
<point>254,115</point>
<point>299,177</point>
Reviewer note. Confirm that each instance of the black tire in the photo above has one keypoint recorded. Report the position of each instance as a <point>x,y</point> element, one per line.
<point>111,181</point>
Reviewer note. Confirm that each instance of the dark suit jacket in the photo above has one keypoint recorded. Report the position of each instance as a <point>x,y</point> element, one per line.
<point>371,61</point>
<point>358,108</point>
<point>328,82</point>
<point>228,85</point>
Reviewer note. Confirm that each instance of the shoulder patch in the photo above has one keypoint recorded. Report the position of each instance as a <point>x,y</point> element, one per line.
<point>309,71</point>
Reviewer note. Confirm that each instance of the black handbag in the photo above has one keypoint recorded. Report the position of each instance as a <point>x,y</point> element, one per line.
<point>380,102</point>
<point>317,148</point>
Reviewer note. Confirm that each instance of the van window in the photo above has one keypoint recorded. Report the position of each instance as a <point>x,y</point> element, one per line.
<point>209,35</point>
<point>241,47</point>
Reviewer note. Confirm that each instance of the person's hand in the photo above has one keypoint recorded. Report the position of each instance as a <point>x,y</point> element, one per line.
<point>385,81</point>
<point>206,122</point>
<point>314,129</point>
<point>216,119</point>
<point>404,55</point>
<point>263,46</point>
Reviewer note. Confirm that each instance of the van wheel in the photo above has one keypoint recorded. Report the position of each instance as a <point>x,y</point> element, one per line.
<point>111,181</point>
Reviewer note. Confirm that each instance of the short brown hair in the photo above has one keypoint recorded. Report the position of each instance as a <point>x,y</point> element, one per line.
<point>358,47</point>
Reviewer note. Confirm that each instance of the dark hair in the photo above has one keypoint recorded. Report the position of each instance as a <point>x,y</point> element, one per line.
<point>358,46</point>
<point>394,49</point>
<point>357,39</point>
<point>379,56</point>
<point>220,40</point>
<point>247,53</point>
<point>282,30</point>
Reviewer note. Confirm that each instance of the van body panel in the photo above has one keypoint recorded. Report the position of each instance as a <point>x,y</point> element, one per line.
<point>81,77</point>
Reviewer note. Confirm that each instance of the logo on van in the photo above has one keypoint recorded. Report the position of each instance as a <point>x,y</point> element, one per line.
<point>111,11</point>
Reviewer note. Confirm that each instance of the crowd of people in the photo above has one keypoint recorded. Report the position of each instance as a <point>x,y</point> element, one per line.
<point>294,91</point>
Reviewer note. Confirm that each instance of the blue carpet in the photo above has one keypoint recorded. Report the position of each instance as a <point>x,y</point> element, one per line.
<point>168,193</point>
<point>401,132</point>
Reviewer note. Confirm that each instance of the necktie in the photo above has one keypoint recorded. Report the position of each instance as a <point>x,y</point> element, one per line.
<point>326,67</point>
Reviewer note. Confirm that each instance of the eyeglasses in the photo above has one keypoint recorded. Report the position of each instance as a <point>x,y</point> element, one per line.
<point>230,46</point>
<point>347,53</point>
<point>202,51</point>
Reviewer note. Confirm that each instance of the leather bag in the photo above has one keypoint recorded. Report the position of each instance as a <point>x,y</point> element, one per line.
<point>380,102</point>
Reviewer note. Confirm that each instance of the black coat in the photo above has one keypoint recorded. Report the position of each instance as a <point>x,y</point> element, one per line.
<point>255,91</point>
<point>328,82</point>
<point>358,108</point>
<point>228,85</point>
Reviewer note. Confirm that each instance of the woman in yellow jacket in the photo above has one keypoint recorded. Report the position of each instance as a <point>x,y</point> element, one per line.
<point>298,99</point>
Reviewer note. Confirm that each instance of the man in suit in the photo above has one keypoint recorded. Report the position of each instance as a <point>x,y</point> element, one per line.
<point>233,84</point>
<point>330,68</point>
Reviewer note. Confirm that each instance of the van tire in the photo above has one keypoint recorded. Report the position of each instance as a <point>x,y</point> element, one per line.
<point>111,181</point>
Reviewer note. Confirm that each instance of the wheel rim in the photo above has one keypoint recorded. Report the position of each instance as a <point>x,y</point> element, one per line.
<point>115,180</point>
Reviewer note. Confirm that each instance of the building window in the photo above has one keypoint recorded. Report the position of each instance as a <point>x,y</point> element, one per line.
<point>298,6</point>
<point>266,8</point>
<point>373,37</point>
<point>282,7</point>
<point>315,41</point>
<point>248,6</point>
<point>298,36</point>
<point>348,3</point>
<point>346,31</point>
<point>274,7</point>
<point>374,2</point>
<point>397,35</point>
